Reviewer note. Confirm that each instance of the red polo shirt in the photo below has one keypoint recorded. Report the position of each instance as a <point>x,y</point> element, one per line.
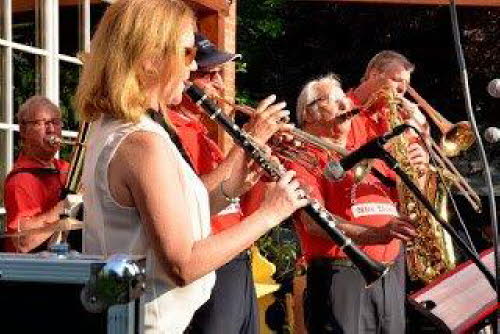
<point>28,194</point>
<point>205,156</point>
<point>368,203</point>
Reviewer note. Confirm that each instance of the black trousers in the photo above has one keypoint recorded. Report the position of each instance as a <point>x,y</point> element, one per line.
<point>232,307</point>
<point>336,300</point>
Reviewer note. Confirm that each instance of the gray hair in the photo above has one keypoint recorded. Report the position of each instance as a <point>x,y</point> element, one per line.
<point>309,94</point>
<point>33,103</point>
<point>385,58</point>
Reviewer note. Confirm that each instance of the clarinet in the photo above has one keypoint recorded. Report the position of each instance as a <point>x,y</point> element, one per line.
<point>370,269</point>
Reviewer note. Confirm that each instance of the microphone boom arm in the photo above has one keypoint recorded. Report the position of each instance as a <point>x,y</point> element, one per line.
<point>394,165</point>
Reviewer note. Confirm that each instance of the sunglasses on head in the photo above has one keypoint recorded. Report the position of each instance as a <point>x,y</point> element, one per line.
<point>207,74</point>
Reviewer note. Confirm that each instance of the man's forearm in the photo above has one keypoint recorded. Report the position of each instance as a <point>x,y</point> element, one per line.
<point>29,242</point>
<point>360,234</point>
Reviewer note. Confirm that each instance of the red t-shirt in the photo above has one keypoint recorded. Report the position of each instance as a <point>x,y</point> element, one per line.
<point>368,203</point>
<point>28,194</point>
<point>205,156</point>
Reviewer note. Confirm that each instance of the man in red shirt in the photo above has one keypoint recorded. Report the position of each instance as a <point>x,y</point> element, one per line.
<point>232,307</point>
<point>336,299</point>
<point>33,187</point>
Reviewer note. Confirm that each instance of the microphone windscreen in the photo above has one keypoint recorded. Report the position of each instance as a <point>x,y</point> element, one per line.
<point>494,88</point>
<point>492,135</point>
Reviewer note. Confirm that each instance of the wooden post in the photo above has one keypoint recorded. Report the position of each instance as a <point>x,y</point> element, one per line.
<point>221,30</point>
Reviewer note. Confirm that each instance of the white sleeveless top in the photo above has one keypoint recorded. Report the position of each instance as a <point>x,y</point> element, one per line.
<point>111,228</point>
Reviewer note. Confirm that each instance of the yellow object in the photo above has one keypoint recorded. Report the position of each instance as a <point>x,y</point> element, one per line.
<point>265,285</point>
<point>262,271</point>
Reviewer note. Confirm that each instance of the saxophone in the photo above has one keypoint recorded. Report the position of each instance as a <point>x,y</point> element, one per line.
<point>431,253</point>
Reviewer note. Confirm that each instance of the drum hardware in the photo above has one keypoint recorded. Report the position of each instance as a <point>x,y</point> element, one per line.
<point>113,285</point>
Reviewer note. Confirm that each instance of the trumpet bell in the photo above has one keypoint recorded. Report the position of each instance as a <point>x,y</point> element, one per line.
<point>457,139</point>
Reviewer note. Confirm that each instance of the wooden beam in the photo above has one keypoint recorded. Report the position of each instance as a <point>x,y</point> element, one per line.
<point>221,30</point>
<point>477,3</point>
<point>200,6</point>
<point>29,5</point>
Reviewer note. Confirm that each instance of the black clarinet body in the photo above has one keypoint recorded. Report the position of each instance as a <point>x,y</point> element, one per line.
<point>370,269</point>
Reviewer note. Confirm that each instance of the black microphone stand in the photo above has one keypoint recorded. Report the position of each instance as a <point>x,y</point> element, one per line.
<point>487,172</point>
<point>394,165</point>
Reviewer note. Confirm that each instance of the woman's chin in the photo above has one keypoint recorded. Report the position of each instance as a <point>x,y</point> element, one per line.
<point>176,100</point>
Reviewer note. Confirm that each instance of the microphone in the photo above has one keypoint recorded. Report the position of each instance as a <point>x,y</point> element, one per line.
<point>494,88</point>
<point>492,135</point>
<point>336,170</point>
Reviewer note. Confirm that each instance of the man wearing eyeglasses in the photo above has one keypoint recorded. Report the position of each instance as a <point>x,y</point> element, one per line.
<point>232,307</point>
<point>33,187</point>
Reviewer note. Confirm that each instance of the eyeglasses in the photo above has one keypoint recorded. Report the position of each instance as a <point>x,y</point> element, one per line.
<point>341,104</point>
<point>190,54</point>
<point>319,99</point>
<point>55,122</point>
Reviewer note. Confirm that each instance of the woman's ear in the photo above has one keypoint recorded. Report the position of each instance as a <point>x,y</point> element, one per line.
<point>148,72</point>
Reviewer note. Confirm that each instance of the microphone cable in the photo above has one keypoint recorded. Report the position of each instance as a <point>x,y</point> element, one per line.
<point>487,173</point>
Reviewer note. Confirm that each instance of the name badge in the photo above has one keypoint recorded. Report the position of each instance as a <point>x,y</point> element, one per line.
<point>374,209</point>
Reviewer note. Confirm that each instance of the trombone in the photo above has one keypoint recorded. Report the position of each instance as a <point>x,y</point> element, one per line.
<point>455,139</point>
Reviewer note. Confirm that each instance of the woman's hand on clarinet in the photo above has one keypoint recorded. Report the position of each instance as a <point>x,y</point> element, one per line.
<point>267,119</point>
<point>283,198</point>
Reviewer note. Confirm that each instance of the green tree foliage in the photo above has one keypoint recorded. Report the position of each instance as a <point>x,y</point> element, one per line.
<point>286,43</point>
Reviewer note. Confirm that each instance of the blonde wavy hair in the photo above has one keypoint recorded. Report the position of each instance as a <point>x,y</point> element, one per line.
<point>309,94</point>
<point>132,33</point>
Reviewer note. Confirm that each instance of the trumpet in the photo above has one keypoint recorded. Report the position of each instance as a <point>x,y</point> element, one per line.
<point>455,139</point>
<point>294,151</point>
<point>300,135</point>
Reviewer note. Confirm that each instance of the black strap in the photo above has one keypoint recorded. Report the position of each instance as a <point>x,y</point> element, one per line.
<point>158,118</point>
<point>386,181</point>
<point>36,171</point>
